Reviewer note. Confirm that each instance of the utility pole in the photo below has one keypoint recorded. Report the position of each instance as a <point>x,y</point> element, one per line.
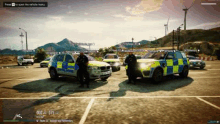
<point>21,40</point>
<point>132,43</point>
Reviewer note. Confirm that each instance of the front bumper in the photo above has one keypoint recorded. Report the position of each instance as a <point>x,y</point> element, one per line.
<point>44,64</point>
<point>29,62</point>
<point>192,65</point>
<point>102,74</point>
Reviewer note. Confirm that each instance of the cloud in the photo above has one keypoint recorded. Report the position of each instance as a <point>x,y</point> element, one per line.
<point>56,18</point>
<point>83,26</point>
<point>129,18</point>
<point>86,13</point>
<point>144,6</point>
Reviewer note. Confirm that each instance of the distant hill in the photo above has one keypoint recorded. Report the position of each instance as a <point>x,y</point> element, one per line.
<point>127,45</point>
<point>192,35</point>
<point>13,52</point>
<point>64,45</point>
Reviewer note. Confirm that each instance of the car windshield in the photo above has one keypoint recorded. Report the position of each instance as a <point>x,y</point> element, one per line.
<point>192,57</point>
<point>47,59</point>
<point>111,57</point>
<point>90,58</point>
<point>138,57</point>
<point>154,55</point>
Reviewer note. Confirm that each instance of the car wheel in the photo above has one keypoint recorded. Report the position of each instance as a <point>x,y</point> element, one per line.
<point>19,64</point>
<point>185,72</point>
<point>32,63</point>
<point>104,79</point>
<point>202,67</point>
<point>157,76</point>
<point>53,74</point>
<point>119,68</point>
<point>22,64</point>
<point>41,66</point>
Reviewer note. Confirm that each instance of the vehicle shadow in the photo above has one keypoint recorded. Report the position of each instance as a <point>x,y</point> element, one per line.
<point>64,86</point>
<point>170,83</point>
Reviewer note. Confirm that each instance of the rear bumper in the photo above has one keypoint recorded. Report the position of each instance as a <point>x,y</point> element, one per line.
<point>44,64</point>
<point>27,62</point>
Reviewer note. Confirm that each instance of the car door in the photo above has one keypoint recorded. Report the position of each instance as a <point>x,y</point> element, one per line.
<point>175,63</point>
<point>169,62</point>
<point>69,65</point>
<point>180,61</point>
<point>60,69</point>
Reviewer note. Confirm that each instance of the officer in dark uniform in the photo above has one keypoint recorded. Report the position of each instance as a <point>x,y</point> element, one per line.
<point>131,61</point>
<point>82,61</point>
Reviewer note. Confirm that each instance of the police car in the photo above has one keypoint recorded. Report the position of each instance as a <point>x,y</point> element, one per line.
<point>45,62</point>
<point>64,64</point>
<point>156,64</point>
<point>195,62</point>
<point>113,60</point>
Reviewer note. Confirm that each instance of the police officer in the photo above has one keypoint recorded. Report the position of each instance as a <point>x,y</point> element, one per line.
<point>131,62</point>
<point>82,62</point>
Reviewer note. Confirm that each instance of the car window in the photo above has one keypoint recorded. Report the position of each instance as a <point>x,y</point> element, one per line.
<point>170,55</point>
<point>60,57</point>
<point>68,58</point>
<point>183,54</point>
<point>179,55</point>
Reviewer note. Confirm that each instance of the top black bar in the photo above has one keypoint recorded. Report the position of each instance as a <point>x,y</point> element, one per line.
<point>25,4</point>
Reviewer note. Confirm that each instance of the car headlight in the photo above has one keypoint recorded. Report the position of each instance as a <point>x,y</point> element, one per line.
<point>117,64</point>
<point>94,68</point>
<point>144,65</point>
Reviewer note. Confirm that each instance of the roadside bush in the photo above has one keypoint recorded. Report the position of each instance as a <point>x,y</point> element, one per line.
<point>40,55</point>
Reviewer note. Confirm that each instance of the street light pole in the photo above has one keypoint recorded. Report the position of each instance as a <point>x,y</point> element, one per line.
<point>26,38</point>
<point>132,43</point>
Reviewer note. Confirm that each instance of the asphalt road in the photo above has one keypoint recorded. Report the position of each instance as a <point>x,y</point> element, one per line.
<point>28,91</point>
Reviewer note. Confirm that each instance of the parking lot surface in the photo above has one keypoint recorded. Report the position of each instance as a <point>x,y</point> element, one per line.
<point>28,91</point>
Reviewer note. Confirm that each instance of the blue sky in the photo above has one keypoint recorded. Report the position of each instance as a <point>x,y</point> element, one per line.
<point>103,22</point>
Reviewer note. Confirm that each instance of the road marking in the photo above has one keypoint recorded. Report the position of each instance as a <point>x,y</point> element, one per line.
<point>83,119</point>
<point>205,77</point>
<point>212,69</point>
<point>65,97</point>
<point>208,103</point>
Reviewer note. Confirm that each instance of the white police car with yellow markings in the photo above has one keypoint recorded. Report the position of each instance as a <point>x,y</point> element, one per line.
<point>65,64</point>
<point>156,64</point>
<point>113,60</point>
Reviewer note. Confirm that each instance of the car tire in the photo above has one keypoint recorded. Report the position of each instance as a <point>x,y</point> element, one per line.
<point>41,66</point>
<point>157,76</point>
<point>19,64</point>
<point>185,72</point>
<point>119,68</point>
<point>53,74</point>
<point>32,63</point>
<point>202,67</point>
<point>104,79</point>
<point>22,64</point>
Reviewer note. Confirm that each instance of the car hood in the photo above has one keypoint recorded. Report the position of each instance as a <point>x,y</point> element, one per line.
<point>111,60</point>
<point>146,60</point>
<point>44,62</point>
<point>97,63</point>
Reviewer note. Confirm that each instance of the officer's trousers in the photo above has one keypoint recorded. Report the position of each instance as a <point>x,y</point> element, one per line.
<point>83,76</point>
<point>131,74</point>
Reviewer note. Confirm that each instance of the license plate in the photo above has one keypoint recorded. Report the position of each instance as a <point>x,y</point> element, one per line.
<point>103,73</point>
